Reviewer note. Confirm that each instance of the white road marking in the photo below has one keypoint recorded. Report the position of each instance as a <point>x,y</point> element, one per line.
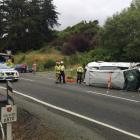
<point>27,79</point>
<point>78,115</point>
<point>101,94</point>
<point>50,78</point>
<point>34,80</point>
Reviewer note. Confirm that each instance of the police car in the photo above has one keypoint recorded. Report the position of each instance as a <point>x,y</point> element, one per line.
<point>7,73</point>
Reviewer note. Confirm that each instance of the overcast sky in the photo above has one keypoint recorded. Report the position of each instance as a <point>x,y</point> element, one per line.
<point>74,11</point>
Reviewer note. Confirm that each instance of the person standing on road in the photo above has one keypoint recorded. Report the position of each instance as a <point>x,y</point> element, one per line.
<point>80,71</point>
<point>62,72</point>
<point>57,72</point>
<point>34,67</point>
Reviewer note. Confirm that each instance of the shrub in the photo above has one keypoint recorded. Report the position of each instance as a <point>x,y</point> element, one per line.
<point>74,59</point>
<point>81,43</point>
<point>49,64</point>
<point>22,59</point>
<point>68,49</point>
<point>40,66</point>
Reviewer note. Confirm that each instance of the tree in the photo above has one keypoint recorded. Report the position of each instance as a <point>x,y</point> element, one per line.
<point>121,33</point>
<point>80,43</point>
<point>135,3</point>
<point>1,19</point>
<point>28,23</point>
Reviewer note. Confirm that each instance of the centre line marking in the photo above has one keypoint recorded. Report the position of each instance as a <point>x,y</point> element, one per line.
<point>50,78</point>
<point>111,96</point>
<point>27,79</point>
<point>77,115</point>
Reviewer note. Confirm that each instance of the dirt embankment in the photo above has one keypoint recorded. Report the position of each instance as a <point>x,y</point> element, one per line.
<point>29,127</point>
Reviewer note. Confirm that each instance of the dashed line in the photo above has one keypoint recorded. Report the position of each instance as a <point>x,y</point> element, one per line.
<point>27,79</point>
<point>50,78</point>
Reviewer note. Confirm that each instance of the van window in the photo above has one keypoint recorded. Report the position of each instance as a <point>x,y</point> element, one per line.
<point>109,68</point>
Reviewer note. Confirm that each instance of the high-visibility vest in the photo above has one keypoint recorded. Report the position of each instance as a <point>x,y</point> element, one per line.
<point>62,68</point>
<point>80,69</point>
<point>57,69</point>
<point>9,64</point>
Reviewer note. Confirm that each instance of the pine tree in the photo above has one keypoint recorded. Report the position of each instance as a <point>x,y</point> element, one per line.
<point>2,19</point>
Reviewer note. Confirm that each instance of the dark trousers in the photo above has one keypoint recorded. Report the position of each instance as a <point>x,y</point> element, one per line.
<point>62,77</point>
<point>79,77</point>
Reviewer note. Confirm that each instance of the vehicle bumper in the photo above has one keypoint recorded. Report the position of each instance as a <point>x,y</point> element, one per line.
<point>8,78</point>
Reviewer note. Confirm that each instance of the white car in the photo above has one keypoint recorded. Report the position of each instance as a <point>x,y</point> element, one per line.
<point>7,73</point>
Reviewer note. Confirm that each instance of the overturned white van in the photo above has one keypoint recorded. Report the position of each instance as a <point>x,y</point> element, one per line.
<point>113,75</point>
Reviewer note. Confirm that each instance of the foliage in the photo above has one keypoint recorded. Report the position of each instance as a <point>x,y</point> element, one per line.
<point>31,22</point>
<point>22,59</point>
<point>67,49</point>
<point>49,64</point>
<point>80,43</point>
<point>120,35</point>
<point>78,38</point>
<point>27,23</point>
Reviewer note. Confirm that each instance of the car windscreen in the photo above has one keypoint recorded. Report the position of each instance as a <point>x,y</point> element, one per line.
<point>4,67</point>
<point>3,58</point>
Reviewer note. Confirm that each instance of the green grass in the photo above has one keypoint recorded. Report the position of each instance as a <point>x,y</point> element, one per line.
<point>46,58</point>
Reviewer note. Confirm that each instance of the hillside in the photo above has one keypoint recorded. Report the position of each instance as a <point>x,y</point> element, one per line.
<point>45,58</point>
<point>117,40</point>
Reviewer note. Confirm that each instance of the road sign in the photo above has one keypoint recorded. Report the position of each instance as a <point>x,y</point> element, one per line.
<point>9,114</point>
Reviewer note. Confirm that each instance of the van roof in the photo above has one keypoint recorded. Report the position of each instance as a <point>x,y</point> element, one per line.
<point>117,64</point>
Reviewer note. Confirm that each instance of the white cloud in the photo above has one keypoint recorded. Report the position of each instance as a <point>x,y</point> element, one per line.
<point>74,11</point>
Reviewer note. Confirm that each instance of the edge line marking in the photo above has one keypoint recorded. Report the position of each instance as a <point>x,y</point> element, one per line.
<point>77,115</point>
<point>98,93</point>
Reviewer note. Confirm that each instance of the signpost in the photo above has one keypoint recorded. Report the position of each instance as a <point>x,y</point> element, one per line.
<point>9,113</point>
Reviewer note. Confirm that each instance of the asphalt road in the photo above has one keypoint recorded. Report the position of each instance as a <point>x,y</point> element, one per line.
<point>111,109</point>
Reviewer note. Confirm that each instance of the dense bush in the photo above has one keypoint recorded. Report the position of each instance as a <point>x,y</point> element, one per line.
<point>78,38</point>
<point>49,64</point>
<point>68,49</point>
<point>80,43</point>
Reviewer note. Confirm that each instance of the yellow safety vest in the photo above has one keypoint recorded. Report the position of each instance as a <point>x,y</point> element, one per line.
<point>57,69</point>
<point>10,64</point>
<point>62,68</point>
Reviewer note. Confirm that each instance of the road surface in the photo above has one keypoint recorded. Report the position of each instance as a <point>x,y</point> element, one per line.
<point>113,114</point>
